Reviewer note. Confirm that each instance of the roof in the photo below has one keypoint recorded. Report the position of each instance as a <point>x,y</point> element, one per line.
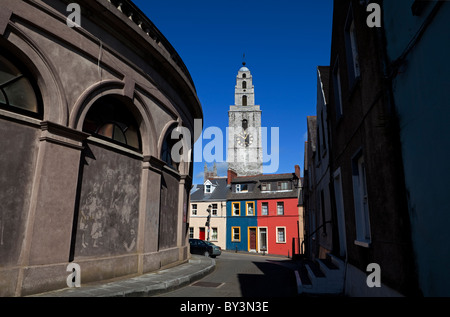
<point>219,194</point>
<point>266,177</point>
<point>257,193</point>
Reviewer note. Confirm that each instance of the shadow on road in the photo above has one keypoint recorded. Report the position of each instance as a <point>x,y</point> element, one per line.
<point>278,280</point>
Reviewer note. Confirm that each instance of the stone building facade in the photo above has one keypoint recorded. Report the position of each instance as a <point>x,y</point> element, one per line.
<point>86,174</point>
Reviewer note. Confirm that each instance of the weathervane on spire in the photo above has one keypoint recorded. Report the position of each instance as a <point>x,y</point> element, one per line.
<point>243,60</point>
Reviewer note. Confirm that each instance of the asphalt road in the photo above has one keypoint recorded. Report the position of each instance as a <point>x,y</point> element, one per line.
<point>244,275</point>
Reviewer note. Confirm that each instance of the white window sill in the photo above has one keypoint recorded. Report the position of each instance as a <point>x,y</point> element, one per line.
<point>363,243</point>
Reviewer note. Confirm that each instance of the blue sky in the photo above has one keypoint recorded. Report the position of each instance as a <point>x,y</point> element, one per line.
<point>283,41</point>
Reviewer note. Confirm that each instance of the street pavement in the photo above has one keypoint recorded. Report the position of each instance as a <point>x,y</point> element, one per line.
<point>145,285</point>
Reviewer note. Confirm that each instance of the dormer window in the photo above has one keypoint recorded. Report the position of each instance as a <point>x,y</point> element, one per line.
<point>209,188</point>
<point>242,188</point>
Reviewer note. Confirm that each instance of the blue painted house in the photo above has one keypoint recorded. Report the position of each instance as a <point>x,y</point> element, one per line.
<point>242,223</point>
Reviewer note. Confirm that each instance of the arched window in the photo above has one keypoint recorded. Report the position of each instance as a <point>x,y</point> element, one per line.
<point>244,100</point>
<point>18,89</point>
<point>110,119</point>
<point>244,124</point>
<point>166,150</point>
<point>244,75</point>
<point>244,85</point>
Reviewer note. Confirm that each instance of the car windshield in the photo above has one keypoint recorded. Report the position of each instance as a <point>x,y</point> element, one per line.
<point>210,243</point>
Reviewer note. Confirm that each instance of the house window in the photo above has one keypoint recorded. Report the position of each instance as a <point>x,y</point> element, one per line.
<point>18,90</point>
<point>264,209</point>
<point>214,234</point>
<point>281,235</point>
<point>207,189</point>
<point>235,234</point>
<point>337,90</point>
<point>283,185</point>
<point>351,49</point>
<point>362,220</point>
<point>214,210</point>
<point>241,188</point>
<point>194,209</point>
<point>263,239</point>
<point>109,118</point>
<point>191,233</point>
<point>250,208</point>
<point>236,209</point>
<point>265,186</point>
<point>280,208</point>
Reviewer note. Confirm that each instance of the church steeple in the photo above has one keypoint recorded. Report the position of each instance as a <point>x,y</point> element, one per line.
<point>244,90</point>
<point>244,137</point>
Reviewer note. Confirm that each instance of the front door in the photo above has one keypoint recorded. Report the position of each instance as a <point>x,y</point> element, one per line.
<point>252,239</point>
<point>202,234</point>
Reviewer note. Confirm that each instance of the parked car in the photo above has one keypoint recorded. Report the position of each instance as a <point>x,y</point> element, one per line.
<point>204,248</point>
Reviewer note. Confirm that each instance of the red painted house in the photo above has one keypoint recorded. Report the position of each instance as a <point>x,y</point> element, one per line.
<point>278,224</point>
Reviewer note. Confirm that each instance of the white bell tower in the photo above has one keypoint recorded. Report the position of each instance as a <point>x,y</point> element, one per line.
<point>245,155</point>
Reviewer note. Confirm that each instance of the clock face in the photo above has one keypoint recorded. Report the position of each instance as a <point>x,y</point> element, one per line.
<point>244,139</point>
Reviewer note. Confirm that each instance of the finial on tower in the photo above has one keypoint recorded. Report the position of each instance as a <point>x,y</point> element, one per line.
<point>243,60</point>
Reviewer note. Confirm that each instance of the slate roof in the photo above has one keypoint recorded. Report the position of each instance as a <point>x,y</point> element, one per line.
<point>219,194</point>
<point>257,193</point>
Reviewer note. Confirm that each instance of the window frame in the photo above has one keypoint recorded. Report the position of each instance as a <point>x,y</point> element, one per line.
<point>214,234</point>
<point>28,75</point>
<point>351,49</point>
<point>284,235</point>
<point>337,85</point>
<point>192,209</point>
<point>232,209</point>
<point>247,203</point>
<point>280,203</point>
<point>264,204</point>
<point>361,201</point>
<point>233,233</point>
<point>214,209</point>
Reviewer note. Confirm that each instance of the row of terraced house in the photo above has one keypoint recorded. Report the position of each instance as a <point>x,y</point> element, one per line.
<point>248,213</point>
<point>375,183</point>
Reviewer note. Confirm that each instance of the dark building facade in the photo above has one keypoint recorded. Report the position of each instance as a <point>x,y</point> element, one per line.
<point>369,208</point>
<point>86,175</point>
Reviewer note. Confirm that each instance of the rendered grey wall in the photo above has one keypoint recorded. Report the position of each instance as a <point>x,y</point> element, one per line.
<point>109,203</point>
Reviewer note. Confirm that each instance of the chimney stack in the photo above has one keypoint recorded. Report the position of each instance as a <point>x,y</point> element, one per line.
<point>297,170</point>
<point>230,176</point>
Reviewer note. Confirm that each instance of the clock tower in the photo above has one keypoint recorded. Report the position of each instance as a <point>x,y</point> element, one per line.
<point>245,155</point>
